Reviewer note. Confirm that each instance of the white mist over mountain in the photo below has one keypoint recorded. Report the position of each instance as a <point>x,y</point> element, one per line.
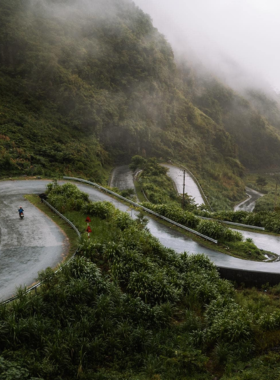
<point>238,39</point>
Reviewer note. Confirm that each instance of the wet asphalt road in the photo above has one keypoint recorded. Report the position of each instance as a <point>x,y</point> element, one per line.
<point>250,203</point>
<point>41,244</point>
<point>191,188</point>
<point>180,243</point>
<point>122,178</point>
<point>27,245</point>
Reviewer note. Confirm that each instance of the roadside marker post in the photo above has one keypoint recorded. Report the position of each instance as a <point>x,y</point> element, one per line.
<point>88,230</point>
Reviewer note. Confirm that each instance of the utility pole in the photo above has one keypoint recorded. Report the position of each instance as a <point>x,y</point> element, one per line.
<point>184,188</point>
<point>275,199</point>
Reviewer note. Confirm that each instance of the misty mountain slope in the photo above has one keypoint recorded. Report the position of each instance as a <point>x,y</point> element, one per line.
<point>253,120</point>
<point>266,104</point>
<point>88,83</point>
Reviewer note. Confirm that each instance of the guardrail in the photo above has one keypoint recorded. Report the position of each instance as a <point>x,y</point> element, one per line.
<point>142,207</point>
<point>34,287</point>
<point>112,175</point>
<point>200,188</point>
<point>232,223</point>
<point>196,181</point>
<point>64,218</point>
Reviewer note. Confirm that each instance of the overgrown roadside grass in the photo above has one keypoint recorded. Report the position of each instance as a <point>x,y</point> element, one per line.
<point>101,231</point>
<point>271,190</point>
<point>231,250</point>
<point>137,310</point>
<point>139,192</point>
<point>153,181</point>
<point>121,252</point>
<point>71,234</point>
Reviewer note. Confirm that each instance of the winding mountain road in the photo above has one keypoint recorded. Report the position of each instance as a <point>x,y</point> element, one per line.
<point>250,203</point>
<point>26,246</point>
<point>30,245</point>
<point>191,188</point>
<point>262,241</point>
<point>176,240</point>
<point>122,178</point>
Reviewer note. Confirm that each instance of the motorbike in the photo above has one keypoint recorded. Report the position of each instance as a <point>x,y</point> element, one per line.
<point>21,215</point>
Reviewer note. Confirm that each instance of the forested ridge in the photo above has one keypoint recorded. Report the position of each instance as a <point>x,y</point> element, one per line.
<point>88,84</point>
<point>252,118</point>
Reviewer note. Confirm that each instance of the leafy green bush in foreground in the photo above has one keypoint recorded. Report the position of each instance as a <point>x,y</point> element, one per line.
<point>128,308</point>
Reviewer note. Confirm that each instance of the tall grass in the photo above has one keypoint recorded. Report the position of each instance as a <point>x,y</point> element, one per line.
<point>127,308</point>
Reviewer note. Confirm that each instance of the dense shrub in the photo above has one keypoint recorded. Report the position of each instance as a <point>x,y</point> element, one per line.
<point>125,308</point>
<point>217,231</point>
<point>10,370</point>
<point>122,220</point>
<point>228,321</point>
<point>102,210</point>
<point>269,321</point>
<point>162,276</point>
<point>66,197</point>
<point>212,229</point>
<point>268,219</point>
<point>174,213</point>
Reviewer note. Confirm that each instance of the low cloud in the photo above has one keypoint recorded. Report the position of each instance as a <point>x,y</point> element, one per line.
<point>238,39</point>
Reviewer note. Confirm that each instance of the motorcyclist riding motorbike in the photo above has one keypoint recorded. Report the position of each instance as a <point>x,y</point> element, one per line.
<point>20,212</point>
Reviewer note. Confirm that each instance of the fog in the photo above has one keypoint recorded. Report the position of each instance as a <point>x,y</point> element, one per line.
<point>238,39</point>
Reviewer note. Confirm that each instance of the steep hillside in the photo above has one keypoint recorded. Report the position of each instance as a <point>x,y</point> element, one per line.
<point>85,84</point>
<point>252,119</point>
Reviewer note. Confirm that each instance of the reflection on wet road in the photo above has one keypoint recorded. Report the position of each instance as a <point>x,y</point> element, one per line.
<point>250,203</point>
<point>122,178</point>
<point>191,188</point>
<point>36,242</point>
<point>263,241</point>
<point>179,242</point>
<point>26,246</point>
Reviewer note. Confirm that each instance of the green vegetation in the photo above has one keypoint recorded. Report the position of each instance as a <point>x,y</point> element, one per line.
<point>270,187</point>
<point>85,85</point>
<point>72,235</point>
<point>153,182</point>
<point>267,219</point>
<point>128,308</point>
<point>221,186</point>
<point>252,120</point>
<point>216,230</point>
<point>88,84</point>
<point>261,181</point>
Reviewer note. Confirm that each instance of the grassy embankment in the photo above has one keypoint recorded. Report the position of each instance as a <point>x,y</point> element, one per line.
<point>156,185</point>
<point>128,308</point>
<point>159,189</point>
<point>71,234</point>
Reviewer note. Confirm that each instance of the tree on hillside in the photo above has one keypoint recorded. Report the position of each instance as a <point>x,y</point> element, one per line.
<point>137,162</point>
<point>261,181</point>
